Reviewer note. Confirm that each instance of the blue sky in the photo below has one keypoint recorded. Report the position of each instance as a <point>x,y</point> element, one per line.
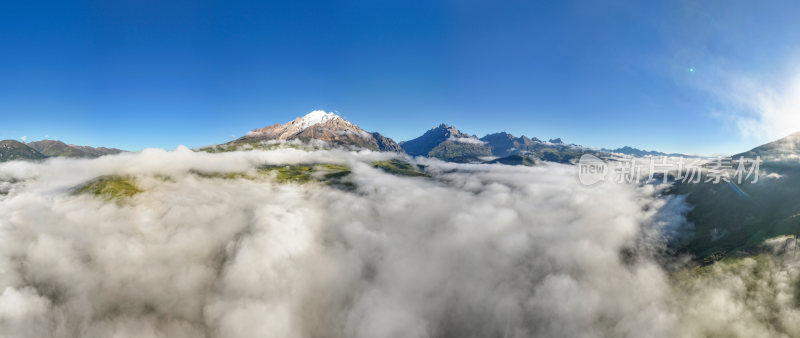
<point>680,76</point>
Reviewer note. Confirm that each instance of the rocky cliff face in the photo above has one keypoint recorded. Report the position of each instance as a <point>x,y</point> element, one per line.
<point>504,144</point>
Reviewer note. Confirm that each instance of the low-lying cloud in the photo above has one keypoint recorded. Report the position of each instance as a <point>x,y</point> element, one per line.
<point>474,251</point>
<point>468,140</point>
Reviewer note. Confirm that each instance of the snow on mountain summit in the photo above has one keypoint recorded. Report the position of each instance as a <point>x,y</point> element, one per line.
<point>314,117</point>
<point>327,127</point>
<point>299,124</point>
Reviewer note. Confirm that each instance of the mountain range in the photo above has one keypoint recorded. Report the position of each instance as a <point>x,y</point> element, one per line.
<point>642,153</point>
<point>14,150</point>
<point>444,141</point>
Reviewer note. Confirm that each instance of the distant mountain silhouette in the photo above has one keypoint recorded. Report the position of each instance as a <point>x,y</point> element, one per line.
<point>15,150</point>
<point>641,153</point>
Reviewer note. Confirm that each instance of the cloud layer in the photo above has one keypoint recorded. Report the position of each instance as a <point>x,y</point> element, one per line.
<point>475,251</point>
<point>469,140</point>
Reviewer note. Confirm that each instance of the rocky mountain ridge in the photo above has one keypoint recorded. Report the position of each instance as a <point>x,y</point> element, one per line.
<point>14,150</point>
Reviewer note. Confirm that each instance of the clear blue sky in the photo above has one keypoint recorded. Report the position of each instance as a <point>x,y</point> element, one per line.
<point>138,73</point>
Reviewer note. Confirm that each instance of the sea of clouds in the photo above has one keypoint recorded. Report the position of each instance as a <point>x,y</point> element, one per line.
<point>474,251</point>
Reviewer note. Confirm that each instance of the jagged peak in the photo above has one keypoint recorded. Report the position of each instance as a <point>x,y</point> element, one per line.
<point>446,128</point>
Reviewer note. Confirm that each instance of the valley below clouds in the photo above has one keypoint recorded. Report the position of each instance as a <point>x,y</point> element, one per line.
<point>212,245</point>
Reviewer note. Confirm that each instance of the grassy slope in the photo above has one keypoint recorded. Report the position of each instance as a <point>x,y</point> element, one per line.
<point>514,160</point>
<point>733,223</point>
<point>398,167</point>
<point>53,148</point>
<point>459,152</point>
<point>112,188</point>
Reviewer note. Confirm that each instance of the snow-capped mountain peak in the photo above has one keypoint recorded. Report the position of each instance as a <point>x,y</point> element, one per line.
<point>300,124</point>
<point>328,127</point>
<point>312,118</point>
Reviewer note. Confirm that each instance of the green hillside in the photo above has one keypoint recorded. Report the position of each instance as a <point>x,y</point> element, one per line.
<point>733,219</point>
<point>11,150</point>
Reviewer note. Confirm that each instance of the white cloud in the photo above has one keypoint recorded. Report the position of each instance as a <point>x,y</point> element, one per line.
<point>24,138</point>
<point>470,140</point>
<point>482,250</point>
<point>761,108</point>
